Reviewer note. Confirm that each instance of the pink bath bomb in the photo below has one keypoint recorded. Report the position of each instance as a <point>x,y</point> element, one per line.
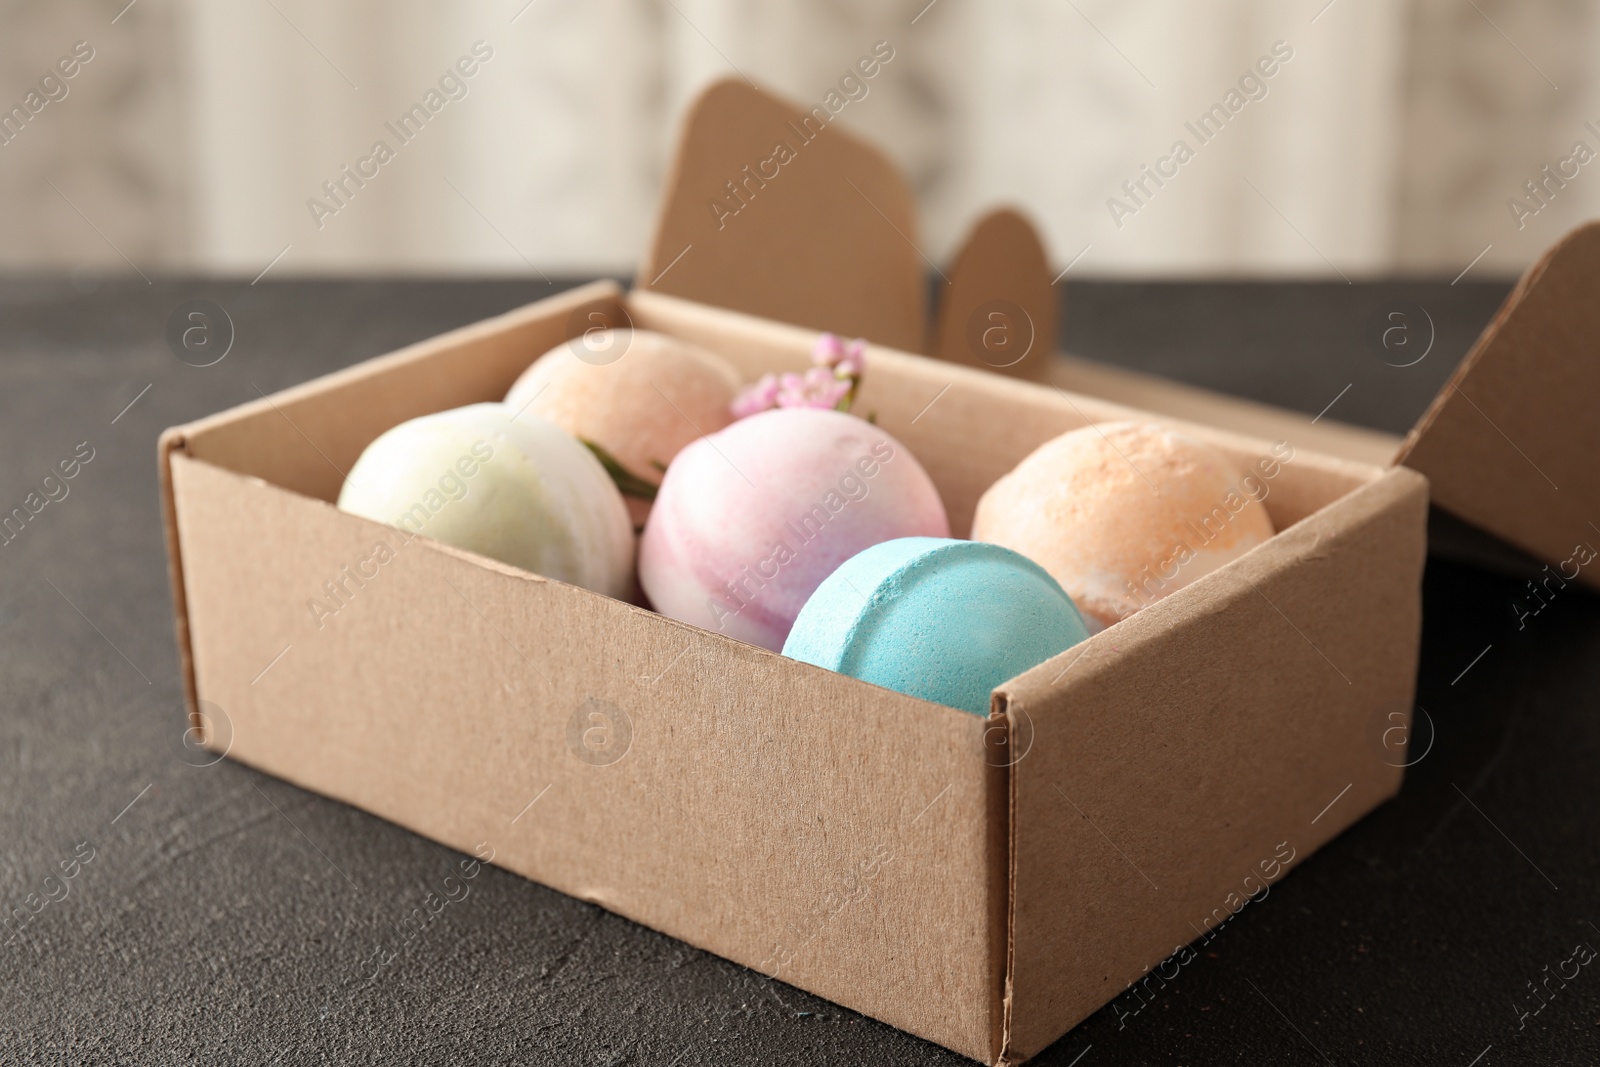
<point>750,520</point>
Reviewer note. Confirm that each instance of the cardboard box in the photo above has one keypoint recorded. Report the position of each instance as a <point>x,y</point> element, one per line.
<point>984,883</point>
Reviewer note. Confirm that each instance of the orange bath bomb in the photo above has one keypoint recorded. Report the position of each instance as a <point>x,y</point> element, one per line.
<point>640,396</point>
<point>1123,514</point>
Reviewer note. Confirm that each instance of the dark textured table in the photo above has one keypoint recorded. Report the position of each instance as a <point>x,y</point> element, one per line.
<point>217,915</point>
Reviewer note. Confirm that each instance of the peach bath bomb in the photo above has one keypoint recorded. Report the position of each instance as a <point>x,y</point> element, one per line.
<point>519,490</point>
<point>634,396</point>
<point>750,520</point>
<point>1123,514</point>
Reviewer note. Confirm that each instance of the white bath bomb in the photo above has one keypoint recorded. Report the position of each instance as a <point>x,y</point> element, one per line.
<point>520,490</point>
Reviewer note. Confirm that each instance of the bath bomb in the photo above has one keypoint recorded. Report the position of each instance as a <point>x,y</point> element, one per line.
<point>939,619</point>
<point>641,406</point>
<point>1123,514</point>
<point>751,519</point>
<point>520,490</point>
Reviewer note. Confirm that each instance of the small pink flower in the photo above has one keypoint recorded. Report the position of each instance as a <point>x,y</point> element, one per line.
<point>828,351</point>
<point>830,383</point>
<point>756,398</point>
<point>791,390</point>
<point>853,361</point>
<point>817,388</point>
<point>829,395</point>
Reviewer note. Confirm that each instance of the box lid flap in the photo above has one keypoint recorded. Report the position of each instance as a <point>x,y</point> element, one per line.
<point>1509,442</point>
<point>774,211</point>
<point>999,310</point>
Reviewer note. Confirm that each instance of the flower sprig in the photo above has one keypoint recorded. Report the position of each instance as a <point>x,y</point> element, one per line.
<point>832,382</point>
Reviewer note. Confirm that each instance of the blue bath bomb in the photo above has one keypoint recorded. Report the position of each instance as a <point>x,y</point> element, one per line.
<point>939,619</point>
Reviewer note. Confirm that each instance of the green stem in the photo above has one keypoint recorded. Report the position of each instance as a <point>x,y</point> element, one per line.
<point>628,483</point>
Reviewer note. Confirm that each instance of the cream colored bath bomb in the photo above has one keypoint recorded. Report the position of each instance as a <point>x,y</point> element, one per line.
<point>522,491</point>
<point>1123,514</point>
<point>641,407</point>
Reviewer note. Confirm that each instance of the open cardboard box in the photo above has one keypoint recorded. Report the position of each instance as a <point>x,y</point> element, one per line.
<point>984,883</point>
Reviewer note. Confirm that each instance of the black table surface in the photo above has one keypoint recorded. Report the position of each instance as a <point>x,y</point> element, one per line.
<point>226,916</point>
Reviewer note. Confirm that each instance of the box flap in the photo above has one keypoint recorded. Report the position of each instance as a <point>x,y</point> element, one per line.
<point>999,310</point>
<point>1509,443</point>
<point>771,210</point>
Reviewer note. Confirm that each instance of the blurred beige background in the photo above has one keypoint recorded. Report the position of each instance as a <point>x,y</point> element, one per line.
<point>1393,140</point>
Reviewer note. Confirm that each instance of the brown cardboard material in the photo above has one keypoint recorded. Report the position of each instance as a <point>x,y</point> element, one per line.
<point>829,240</point>
<point>445,696</point>
<point>1509,443</point>
<point>1162,397</point>
<point>1173,754</point>
<point>854,842</point>
<point>999,310</point>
